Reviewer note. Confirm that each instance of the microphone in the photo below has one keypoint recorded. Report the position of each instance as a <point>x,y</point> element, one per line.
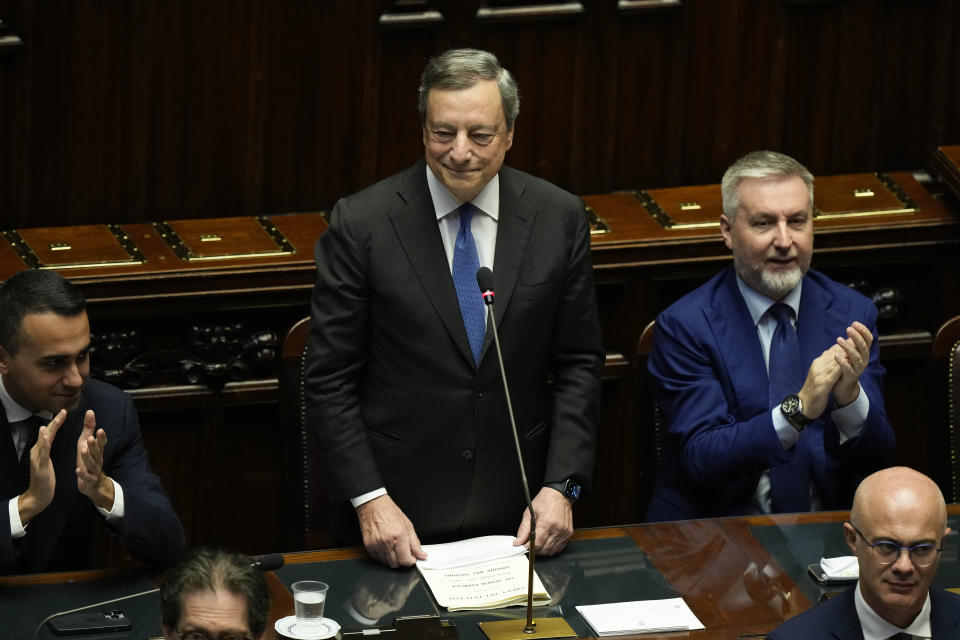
<point>36,633</point>
<point>485,282</point>
<point>268,562</point>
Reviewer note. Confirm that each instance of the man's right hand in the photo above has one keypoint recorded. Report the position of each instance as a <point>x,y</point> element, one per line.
<point>388,534</point>
<point>821,378</point>
<point>43,479</point>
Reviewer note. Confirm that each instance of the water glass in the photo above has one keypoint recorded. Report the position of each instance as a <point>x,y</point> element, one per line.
<point>309,597</point>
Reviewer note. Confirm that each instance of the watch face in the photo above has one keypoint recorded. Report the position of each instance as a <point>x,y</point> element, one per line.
<point>791,405</point>
<point>572,490</point>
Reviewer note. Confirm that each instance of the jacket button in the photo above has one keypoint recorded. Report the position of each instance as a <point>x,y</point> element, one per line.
<point>478,393</point>
<point>467,454</point>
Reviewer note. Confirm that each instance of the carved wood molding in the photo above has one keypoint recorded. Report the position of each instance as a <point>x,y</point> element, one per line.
<point>213,356</point>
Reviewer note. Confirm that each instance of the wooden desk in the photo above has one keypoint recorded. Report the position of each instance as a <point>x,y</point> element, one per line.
<point>193,328</point>
<point>736,581</point>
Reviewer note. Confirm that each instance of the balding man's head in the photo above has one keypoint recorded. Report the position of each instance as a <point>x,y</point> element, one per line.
<point>906,508</point>
<point>900,492</point>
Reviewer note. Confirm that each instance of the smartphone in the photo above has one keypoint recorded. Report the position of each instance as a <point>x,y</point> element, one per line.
<point>105,621</point>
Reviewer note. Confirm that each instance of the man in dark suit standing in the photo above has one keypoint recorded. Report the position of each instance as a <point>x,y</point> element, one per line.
<point>402,383</point>
<point>896,529</point>
<point>74,446</point>
<point>768,375</point>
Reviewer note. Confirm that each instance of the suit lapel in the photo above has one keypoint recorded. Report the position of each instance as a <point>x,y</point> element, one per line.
<point>847,626</point>
<point>944,618</point>
<point>415,223</point>
<point>819,318</point>
<point>739,346</point>
<point>513,235</point>
<point>9,462</point>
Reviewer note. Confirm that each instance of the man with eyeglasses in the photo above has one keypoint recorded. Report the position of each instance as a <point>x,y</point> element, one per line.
<point>897,528</point>
<point>214,594</point>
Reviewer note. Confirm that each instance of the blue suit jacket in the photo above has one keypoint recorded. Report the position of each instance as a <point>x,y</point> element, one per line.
<point>837,618</point>
<point>711,385</point>
<point>60,538</point>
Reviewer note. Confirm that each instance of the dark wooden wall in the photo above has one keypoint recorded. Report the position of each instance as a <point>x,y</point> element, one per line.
<point>140,110</point>
<point>147,110</point>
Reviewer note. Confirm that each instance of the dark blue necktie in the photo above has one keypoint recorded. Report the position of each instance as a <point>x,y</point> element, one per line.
<point>790,482</point>
<point>32,432</point>
<point>465,265</point>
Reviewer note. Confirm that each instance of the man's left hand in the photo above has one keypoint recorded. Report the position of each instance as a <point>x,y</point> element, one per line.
<point>853,362</point>
<point>91,481</point>
<point>554,522</point>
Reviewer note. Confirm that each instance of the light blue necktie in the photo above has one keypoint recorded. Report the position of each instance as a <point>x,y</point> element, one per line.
<point>465,265</point>
<point>789,483</point>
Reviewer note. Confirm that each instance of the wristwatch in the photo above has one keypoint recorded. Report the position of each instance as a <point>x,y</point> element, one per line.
<point>792,410</point>
<point>571,489</point>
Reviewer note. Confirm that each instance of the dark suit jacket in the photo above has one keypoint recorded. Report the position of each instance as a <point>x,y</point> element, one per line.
<point>837,618</point>
<point>393,393</point>
<point>61,537</point>
<point>711,385</point>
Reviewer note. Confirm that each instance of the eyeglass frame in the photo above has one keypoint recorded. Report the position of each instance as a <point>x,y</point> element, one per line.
<point>900,549</point>
<point>225,635</point>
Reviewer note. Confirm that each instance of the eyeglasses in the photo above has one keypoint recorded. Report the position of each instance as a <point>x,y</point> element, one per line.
<point>888,552</point>
<point>197,634</point>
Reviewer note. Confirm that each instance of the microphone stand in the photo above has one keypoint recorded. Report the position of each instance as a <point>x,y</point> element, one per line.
<point>510,629</point>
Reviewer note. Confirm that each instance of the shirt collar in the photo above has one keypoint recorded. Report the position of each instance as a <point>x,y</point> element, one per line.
<point>757,303</point>
<point>876,628</point>
<point>444,203</point>
<point>14,410</point>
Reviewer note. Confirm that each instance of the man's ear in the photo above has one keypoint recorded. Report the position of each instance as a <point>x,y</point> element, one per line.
<point>850,535</point>
<point>725,231</point>
<point>5,359</point>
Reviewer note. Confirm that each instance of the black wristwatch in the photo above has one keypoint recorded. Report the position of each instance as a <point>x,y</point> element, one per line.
<point>792,410</point>
<point>571,489</point>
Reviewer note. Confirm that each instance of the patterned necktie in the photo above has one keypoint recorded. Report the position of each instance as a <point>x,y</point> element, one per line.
<point>32,431</point>
<point>465,265</point>
<point>790,482</point>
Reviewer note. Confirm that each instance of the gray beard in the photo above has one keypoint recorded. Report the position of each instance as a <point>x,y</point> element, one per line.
<point>773,285</point>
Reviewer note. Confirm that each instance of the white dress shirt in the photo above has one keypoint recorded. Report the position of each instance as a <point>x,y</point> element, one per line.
<point>876,628</point>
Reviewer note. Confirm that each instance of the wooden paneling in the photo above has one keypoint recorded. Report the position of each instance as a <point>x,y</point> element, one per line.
<point>128,112</point>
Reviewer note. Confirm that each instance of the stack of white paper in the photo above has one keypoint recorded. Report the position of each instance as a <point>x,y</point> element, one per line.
<point>479,573</point>
<point>640,616</point>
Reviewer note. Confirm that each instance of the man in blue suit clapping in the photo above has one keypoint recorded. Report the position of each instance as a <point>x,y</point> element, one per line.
<point>768,375</point>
